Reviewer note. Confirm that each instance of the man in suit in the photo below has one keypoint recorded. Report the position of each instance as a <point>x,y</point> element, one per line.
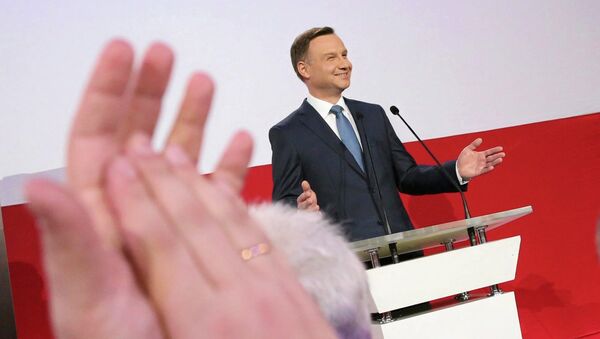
<point>335,149</point>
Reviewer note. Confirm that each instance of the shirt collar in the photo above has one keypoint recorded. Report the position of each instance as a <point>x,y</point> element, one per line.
<point>323,107</point>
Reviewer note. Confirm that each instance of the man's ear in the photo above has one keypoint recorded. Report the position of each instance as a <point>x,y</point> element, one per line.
<point>303,69</point>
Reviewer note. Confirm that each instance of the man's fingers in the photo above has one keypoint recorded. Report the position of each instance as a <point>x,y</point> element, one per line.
<point>302,204</point>
<point>487,169</point>
<point>233,166</point>
<point>146,99</point>
<point>493,150</point>
<point>307,201</point>
<point>188,130</point>
<point>495,162</point>
<point>494,157</point>
<point>303,196</point>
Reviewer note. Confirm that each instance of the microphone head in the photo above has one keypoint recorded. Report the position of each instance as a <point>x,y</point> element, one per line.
<point>395,110</point>
<point>359,115</point>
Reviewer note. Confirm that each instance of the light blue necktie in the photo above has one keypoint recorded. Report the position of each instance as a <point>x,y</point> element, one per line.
<point>347,134</point>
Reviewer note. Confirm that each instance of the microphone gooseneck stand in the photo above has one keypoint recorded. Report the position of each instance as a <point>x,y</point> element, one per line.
<point>472,231</point>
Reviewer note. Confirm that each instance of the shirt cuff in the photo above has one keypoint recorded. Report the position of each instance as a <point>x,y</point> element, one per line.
<point>461,181</point>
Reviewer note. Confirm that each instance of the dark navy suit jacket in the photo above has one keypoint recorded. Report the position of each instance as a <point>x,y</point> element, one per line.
<point>305,148</point>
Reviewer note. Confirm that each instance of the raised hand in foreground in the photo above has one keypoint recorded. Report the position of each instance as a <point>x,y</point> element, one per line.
<point>137,244</point>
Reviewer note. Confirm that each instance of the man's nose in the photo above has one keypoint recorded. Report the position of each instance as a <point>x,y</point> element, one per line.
<point>345,64</point>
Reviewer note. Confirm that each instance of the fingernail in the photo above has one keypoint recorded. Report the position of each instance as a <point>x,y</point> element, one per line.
<point>176,156</point>
<point>140,144</point>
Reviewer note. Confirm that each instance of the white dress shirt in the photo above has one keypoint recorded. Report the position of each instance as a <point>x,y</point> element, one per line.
<point>324,108</point>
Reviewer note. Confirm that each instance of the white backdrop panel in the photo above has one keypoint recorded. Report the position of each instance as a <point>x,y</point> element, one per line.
<point>451,66</point>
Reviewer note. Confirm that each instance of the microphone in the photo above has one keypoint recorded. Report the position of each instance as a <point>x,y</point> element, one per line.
<point>393,248</point>
<point>470,230</point>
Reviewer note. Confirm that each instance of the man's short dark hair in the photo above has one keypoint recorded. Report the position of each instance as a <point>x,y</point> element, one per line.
<point>300,46</point>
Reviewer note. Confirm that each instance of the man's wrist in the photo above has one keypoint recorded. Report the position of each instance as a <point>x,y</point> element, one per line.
<point>461,180</point>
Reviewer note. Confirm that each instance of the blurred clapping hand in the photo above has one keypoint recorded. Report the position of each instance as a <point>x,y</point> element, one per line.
<point>137,244</point>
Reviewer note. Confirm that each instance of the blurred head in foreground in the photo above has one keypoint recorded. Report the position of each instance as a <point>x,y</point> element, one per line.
<point>324,263</point>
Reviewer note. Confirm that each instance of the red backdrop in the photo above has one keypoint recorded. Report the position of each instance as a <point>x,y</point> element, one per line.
<point>553,166</point>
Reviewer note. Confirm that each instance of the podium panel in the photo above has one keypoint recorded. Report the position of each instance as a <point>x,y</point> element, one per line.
<point>491,318</point>
<point>444,274</point>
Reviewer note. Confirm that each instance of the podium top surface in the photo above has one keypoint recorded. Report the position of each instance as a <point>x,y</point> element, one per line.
<point>436,235</point>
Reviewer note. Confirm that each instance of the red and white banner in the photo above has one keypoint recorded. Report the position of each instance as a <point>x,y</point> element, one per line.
<point>521,74</point>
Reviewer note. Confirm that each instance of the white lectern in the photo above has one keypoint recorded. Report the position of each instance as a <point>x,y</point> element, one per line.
<point>454,272</point>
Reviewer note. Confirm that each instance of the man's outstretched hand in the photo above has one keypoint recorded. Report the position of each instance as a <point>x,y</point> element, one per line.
<point>472,163</point>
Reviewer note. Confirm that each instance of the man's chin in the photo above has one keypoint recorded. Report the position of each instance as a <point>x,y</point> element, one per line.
<point>344,85</point>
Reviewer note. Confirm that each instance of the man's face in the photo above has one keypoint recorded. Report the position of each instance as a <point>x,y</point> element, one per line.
<point>327,68</point>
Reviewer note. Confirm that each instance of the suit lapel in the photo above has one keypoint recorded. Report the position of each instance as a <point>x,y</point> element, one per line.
<point>314,122</point>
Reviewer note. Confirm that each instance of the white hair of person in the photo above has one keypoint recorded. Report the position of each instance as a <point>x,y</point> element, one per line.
<point>326,266</point>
